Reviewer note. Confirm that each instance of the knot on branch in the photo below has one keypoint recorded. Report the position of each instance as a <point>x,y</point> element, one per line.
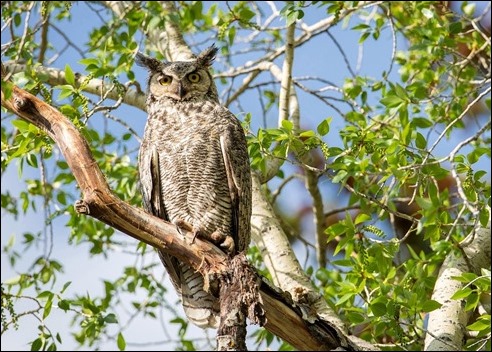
<point>305,299</point>
<point>82,207</point>
<point>23,103</point>
<point>20,103</point>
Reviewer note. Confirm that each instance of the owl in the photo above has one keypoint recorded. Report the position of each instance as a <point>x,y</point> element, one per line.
<point>194,169</point>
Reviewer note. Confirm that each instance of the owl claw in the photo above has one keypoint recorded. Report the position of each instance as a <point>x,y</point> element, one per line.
<point>195,234</point>
<point>183,225</point>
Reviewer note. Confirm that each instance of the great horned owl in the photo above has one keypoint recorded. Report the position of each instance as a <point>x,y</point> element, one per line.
<point>194,169</point>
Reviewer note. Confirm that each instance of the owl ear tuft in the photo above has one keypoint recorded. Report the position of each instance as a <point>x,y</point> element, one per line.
<point>207,56</point>
<point>147,62</point>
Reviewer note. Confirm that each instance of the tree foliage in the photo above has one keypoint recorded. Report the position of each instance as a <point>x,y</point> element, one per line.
<point>367,122</point>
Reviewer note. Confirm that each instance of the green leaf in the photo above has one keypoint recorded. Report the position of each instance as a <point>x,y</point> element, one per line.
<point>339,176</point>
<point>472,301</point>
<point>32,160</point>
<point>392,101</point>
<point>482,324</point>
<point>13,281</point>
<point>462,293</point>
<point>21,125</point>
<point>37,344</point>
<point>7,88</point>
<point>355,318</point>
<point>17,20</point>
<point>89,61</point>
<point>231,35</point>
<point>484,217</point>
<point>401,92</point>
<point>246,14</point>
<point>455,27</point>
<point>65,92</point>
<point>424,203</point>
<point>45,294</point>
<point>324,127</point>
<point>430,305</point>
<point>64,304</point>
<point>465,277</point>
<point>308,133</point>
<point>378,309</point>
<point>69,76</point>
<point>111,319</point>
<point>345,298</point>
<point>362,218</point>
<point>121,342</point>
<point>363,37</point>
<point>288,125</point>
<point>360,27</point>
<point>420,141</point>
<point>336,229</point>
<point>47,307</point>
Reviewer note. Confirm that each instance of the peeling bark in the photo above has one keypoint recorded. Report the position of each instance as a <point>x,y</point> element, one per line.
<point>239,298</point>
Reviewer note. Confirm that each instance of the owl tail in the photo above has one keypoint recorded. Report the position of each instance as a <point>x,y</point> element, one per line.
<point>201,308</point>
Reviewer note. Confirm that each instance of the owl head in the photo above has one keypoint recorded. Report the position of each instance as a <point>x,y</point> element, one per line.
<point>181,80</point>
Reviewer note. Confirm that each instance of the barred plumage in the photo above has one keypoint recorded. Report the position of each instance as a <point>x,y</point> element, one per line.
<point>194,168</point>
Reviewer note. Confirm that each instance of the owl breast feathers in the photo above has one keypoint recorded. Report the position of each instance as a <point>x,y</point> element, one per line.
<point>194,169</point>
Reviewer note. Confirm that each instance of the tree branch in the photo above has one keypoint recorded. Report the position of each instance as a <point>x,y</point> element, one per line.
<point>447,325</point>
<point>284,318</point>
<point>56,77</point>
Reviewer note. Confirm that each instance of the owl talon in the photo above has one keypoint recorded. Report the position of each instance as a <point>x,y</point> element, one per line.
<point>183,225</point>
<point>195,234</point>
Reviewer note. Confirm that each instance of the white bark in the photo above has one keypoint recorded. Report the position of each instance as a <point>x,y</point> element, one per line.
<point>447,325</point>
<point>281,261</point>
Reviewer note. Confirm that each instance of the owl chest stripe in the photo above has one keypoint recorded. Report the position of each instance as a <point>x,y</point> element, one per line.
<point>196,191</point>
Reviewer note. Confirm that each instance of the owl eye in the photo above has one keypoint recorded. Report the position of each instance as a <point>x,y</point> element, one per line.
<point>165,80</point>
<point>194,77</point>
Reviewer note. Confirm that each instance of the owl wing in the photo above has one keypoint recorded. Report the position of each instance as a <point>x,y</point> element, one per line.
<point>236,163</point>
<point>150,183</point>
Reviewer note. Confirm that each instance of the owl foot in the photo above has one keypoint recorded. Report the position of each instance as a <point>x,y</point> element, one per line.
<point>183,225</point>
<point>218,238</point>
<point>223,241</point>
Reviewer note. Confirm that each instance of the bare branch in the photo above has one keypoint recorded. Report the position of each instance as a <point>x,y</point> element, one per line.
<point>286,79</point>
<point>96,86</point>
<point>44,39</point>
<point>451,124</point>
<point>26,29</point>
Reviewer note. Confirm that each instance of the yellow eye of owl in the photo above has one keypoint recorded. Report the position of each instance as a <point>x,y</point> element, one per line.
<point>194,77</point>
<point>165,80</point>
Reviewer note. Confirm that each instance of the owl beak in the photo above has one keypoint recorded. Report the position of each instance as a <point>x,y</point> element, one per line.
<point>181,91</point>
